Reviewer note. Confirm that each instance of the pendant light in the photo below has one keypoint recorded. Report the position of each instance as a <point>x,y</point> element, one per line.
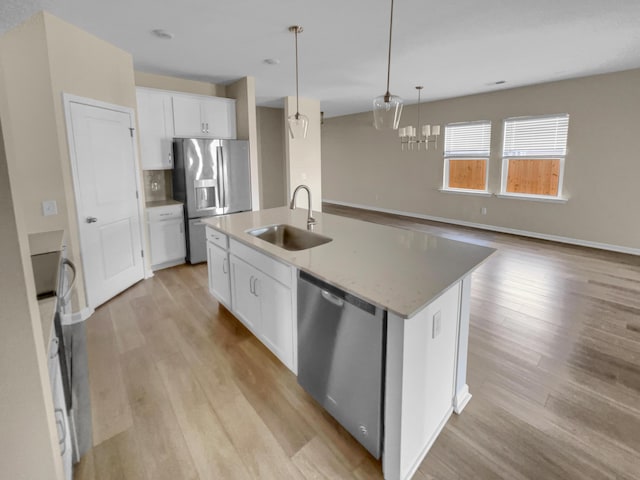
<point>298,123</point>
<point>387,108</point>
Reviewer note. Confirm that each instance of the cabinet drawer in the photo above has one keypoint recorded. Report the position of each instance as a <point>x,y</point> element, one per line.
<point>218,238</point>
<point>156,214</point>
<point>275,269</point>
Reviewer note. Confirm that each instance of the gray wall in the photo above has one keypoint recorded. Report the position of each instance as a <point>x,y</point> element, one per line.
<point>270,123</point>
<point>366,167</point>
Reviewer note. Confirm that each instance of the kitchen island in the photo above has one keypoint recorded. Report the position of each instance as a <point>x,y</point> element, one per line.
<point>422,281</point>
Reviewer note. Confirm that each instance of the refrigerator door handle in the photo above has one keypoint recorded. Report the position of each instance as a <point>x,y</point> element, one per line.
<point>222,177</point>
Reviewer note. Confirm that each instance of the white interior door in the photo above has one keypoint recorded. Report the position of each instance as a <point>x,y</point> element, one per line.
<point>106,196</point>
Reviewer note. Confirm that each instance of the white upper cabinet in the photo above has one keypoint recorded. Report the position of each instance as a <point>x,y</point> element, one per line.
<point>155,123</point>
<point>201,116</point>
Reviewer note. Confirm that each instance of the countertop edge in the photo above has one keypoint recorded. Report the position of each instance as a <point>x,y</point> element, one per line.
<point>282,259</point>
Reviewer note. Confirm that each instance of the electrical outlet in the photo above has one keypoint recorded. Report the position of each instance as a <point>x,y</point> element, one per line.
<point>437,324</point>
<point>49,207</point>
<point>484,210</point>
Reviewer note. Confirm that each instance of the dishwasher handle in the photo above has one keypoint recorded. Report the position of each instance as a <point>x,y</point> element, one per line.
<point>337,301</point>
<point>336,296</point>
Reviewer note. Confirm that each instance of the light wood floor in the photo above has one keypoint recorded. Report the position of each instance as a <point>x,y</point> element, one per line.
<point>181,390</point>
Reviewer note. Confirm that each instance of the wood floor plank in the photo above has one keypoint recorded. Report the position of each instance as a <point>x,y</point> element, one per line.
<point>316,461</point>
<point>158,435</point>
<point>128,335</point>
<point>109,404</point>
<point>211,449</point>
<point>184,391</point>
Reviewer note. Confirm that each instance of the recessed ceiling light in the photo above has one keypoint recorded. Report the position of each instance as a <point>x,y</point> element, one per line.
<point>271,61</point>
<point>160,33</point>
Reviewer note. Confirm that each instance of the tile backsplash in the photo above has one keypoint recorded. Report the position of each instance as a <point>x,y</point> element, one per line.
<point>157,185</point>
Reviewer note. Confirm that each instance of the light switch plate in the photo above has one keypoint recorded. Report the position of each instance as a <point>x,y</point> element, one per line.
<point>437,324</point>
<point>49,207</point>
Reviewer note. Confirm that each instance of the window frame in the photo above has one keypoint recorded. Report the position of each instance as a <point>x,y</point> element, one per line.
<point>504,174</point>
<point>447,158</point>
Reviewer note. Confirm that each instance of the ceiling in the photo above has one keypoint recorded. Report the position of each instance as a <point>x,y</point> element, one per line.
<point>453,48</point>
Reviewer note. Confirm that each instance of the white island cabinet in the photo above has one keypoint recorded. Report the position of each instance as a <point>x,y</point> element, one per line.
<point>423,283</point>
<point>218,265</point>
<point>258,291</point>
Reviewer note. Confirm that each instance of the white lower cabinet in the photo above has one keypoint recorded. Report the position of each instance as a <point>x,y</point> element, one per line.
<point>264,305</point>
<point>60,409</point>
<point>166,236</point>
<point>276,315</point>
<point>246,304</point>
<point>258,290</point>
<point>219,283</point>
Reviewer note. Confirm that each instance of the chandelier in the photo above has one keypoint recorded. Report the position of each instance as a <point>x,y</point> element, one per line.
<point>412,138</point>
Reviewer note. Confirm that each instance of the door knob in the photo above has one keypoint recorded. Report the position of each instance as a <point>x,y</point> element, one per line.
<point>92,219</point>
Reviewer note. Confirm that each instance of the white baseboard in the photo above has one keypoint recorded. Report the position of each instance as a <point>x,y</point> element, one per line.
<point>76,317</point>
<point>461,400</point>
<point>493,228</point>
<point>169,264</point>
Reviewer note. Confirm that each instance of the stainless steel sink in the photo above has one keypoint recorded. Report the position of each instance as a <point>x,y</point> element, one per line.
<point>289,237</point>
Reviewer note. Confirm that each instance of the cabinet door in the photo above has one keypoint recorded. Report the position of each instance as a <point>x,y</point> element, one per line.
<point>219,117</point>
<point>219,278</point>
<point>155,123</point>
<point>246,305</point>
<point>187,120</point>
<point>277,318</point>
<point>60,415</point>
<point>167,241</point>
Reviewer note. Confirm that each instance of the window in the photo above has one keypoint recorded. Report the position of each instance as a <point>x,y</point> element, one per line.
<point>533,155</point>
<point>466,156</point>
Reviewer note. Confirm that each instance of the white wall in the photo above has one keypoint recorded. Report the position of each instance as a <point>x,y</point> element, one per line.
<point>303,155</point>
<point>271,131</point>
<point>28,440</point>
<point>44,58</point>
<point>364,166</point>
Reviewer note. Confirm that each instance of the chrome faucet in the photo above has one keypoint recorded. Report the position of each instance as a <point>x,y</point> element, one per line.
<point>310,220</point>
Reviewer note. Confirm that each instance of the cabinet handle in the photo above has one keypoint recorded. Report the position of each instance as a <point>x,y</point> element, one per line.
<point>225,270</point>
<point>255,285</point>
<point>63,440</point>
<point>202,125</point>
<point>251,284</point>
<point>207,124</point>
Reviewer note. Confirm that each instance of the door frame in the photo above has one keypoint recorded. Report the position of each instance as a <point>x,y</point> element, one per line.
<point>67,100</point>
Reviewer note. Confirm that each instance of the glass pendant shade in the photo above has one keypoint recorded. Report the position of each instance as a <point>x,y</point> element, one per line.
<point>387,110</point>
<point>298,125</point>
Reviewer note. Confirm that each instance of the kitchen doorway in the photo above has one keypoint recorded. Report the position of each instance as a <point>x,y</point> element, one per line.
<point>105,174</point>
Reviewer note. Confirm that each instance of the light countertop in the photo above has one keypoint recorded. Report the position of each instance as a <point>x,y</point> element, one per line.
<point>46,242</point>
<point>399,270</point>
<point>162,203</point>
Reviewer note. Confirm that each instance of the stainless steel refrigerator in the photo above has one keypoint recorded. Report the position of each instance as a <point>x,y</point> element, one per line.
<point>211,177</point>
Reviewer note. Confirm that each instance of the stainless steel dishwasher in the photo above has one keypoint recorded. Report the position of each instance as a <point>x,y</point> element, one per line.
<point>341,350</point>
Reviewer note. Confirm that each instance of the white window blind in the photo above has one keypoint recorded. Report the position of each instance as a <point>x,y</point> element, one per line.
<point>536,136</point>
<point>468,139</point>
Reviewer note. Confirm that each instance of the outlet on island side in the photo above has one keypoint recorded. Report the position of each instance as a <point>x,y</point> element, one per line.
<point>484,210</point>
<point>437,325</point>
